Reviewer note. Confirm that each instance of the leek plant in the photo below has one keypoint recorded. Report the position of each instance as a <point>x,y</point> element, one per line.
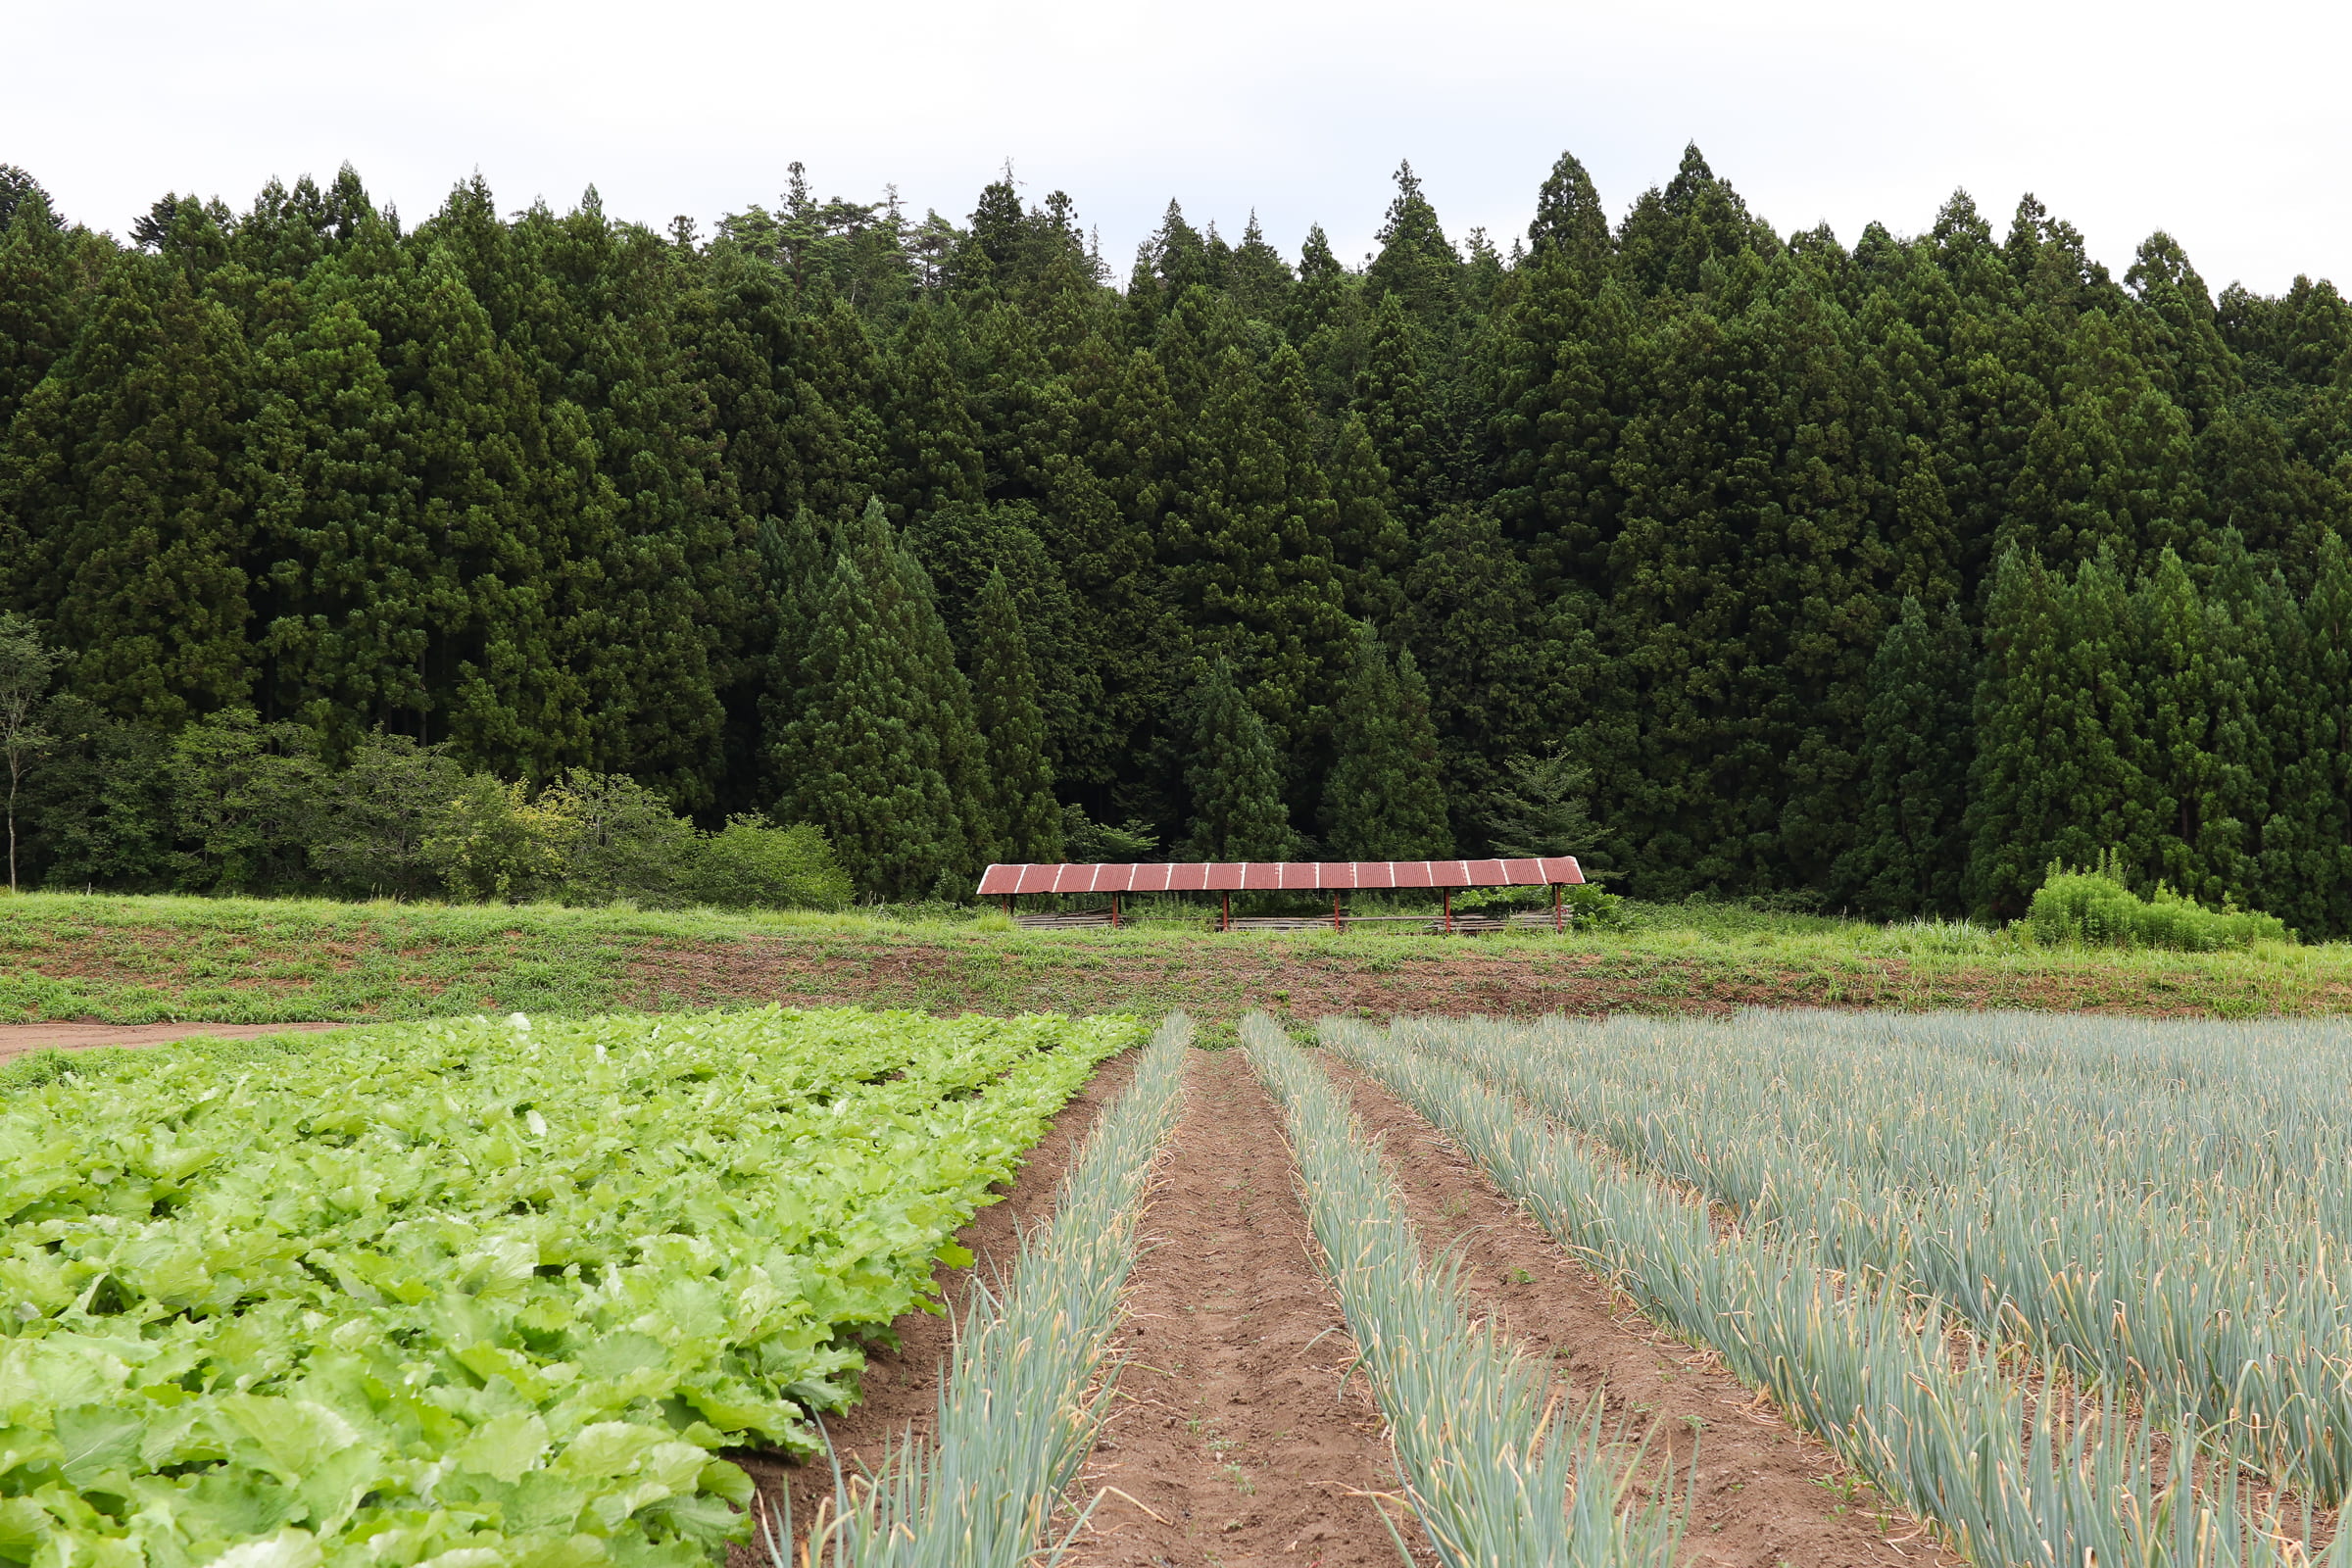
<point>2159,1209</point>
<point>1931,1416</point>
<point>1499,1473</point>
<point>1029,1381</point>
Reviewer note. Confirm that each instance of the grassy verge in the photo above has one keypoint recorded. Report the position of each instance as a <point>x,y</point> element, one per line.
<point>244,960</point>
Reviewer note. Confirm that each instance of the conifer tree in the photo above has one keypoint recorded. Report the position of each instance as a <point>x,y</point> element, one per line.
<point>1393,400</point>
<point>1667,240</point>
<point>2325,845</point>
<point>1018,771</point>
<point>1257,278</point>
<point>1383,800</point>
<point>869,753</point>
<point>1909,852</point>
<point>2059,772</point>
<point>1234,775</point>
<point>40,300</point>
<point>1417,263</point>
<point>1569,221</point>
<point>20,193</point>
<point>127,473</point>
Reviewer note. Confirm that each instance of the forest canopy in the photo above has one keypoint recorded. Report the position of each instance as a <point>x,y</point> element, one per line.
<point>1890,573</point>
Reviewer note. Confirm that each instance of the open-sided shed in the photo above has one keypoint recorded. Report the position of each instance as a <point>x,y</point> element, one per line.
<point>1336,877</point>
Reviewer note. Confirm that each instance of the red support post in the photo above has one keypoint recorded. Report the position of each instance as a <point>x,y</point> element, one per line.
<point>1009,903</point>
<point>1335,912</point>
<point>1559,921</point>
<point>1449,911</point>
<point>1114,911</point>
<point>1225,921</point>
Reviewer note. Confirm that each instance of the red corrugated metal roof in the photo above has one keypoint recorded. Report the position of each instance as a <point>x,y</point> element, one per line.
<point>1323,876</point>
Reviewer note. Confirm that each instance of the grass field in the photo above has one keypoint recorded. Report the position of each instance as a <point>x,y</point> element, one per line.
<point>242,960</point>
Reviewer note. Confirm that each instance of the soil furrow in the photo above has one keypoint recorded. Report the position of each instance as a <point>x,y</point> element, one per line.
<point>901,1384</point>
<point>1230,1437</point>
<point>1767,1495</point>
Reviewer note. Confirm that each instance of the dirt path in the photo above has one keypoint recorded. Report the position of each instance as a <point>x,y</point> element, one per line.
<point>901,1386</point>
<point>1767,1495</point>
<point>18,1038</point>
<point>1228,1426</point>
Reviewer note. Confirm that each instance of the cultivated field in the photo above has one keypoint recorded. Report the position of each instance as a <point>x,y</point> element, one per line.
<point>135,960</point>
<point>1819,1287</point>
<point>494,1286</point>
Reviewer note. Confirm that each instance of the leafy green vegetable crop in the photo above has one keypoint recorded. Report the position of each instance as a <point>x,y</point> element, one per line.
<point>493,1289</point>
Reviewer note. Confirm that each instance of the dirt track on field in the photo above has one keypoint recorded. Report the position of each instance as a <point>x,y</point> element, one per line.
<point>1228,1427</point>
<point>19,1039</point>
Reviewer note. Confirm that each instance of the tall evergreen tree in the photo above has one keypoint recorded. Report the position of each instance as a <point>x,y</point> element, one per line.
<point>40,299</point>
<point>1012,727</point>
<point>2060,768</point>
<point>1910,852</point>
<point>1383,800</point>
<point>1417,263</point>
<point>870,753</point>
<point>1569,223</point>
<point>1234,775</point>
<point>129,486</point>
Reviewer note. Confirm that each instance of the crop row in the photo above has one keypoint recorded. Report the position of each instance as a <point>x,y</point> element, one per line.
<point>2159,1209</point>
<point>477,1286</point>
<point>1907,1398</point>
<point>1031,1377</point>
<point>1499,1473</point>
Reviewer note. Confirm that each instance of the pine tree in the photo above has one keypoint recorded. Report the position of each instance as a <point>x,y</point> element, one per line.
<point>2325,847</point>
<point>1257,278</point>
<point>1235,776</point>
<point>1383,800</point>
<point>1667,240</point>
<point>1909,851</point>
<point>961,546</point>
<point>1019,772</point>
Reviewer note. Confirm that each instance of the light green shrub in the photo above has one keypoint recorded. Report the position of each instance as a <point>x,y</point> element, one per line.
<point>753,864</point>
<point>2090,907</point>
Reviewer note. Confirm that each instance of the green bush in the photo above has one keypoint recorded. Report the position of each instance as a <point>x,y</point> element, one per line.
<point>2090,907</point>
<point>752,864</point>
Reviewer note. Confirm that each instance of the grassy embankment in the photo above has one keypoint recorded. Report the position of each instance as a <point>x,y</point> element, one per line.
<point>242,960</point>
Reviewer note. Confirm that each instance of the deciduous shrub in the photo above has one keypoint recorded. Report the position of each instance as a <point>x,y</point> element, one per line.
<point>753,864</point>
<point>2091,906</point>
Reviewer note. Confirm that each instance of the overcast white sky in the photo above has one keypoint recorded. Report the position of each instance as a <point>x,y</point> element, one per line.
<point>2226,125</point>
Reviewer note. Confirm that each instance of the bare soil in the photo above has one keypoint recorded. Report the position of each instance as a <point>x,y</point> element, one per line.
<point>1766,1495</point>
<point>900,1386</point>
<point>1231,1443</point>
<point>17,1039</point>
<point>1222,978</point>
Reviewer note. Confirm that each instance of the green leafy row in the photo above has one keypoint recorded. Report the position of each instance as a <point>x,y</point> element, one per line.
<point>492,1288</point>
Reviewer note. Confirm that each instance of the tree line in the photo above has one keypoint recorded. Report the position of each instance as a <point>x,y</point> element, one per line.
<point>1884,575</point>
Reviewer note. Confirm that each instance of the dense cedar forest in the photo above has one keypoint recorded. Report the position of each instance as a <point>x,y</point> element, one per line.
<point>1884,575</point>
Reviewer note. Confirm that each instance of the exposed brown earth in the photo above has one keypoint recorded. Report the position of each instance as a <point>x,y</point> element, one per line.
<point>1230,1437</point>
<point>1765,1494</point>
<point>17,1039</point>
<point>1216,980</point>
